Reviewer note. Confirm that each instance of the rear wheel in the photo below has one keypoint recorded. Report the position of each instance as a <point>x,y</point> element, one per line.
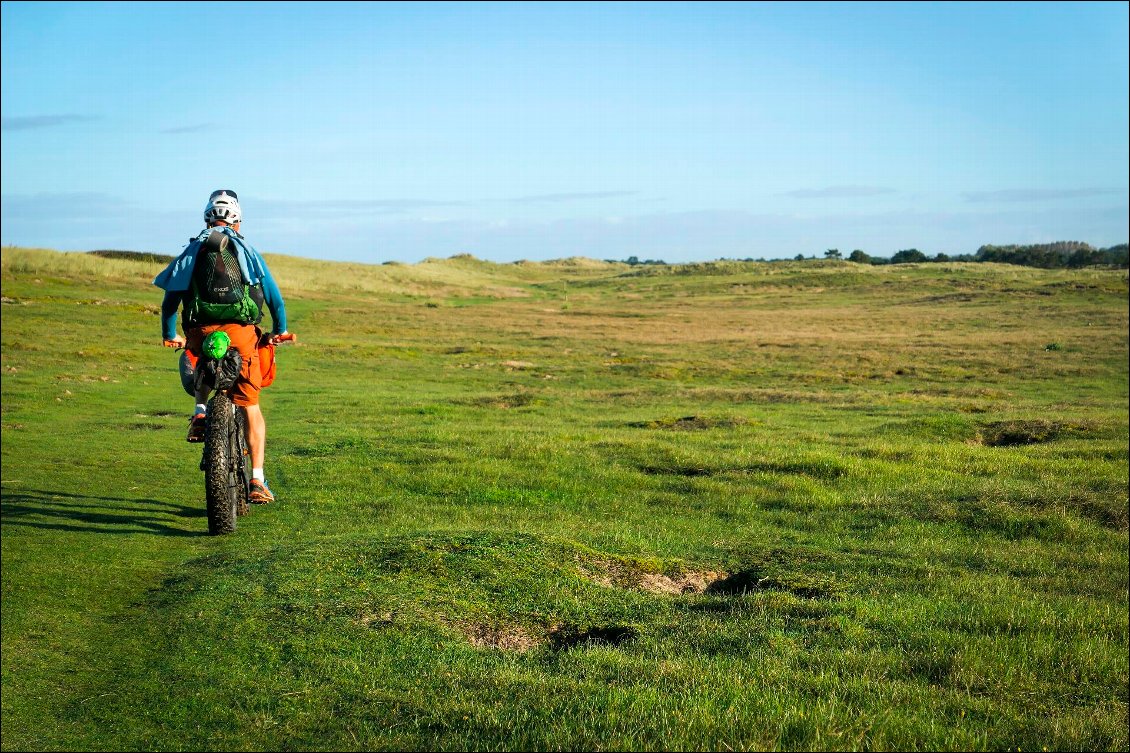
<point>223,461</point>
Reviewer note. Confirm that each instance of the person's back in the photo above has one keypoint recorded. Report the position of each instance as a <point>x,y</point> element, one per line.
<point>222,284</point>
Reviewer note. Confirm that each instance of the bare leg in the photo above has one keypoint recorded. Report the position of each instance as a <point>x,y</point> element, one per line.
<point>256,435</point>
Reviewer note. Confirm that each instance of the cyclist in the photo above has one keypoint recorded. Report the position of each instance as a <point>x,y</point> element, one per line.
<point>186,283</point>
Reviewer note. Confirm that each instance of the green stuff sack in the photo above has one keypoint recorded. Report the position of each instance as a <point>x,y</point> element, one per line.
<point>220,364</point>
<point>217,344</point>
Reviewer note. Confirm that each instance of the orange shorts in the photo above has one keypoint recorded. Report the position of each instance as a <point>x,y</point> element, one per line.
<point>245,338</point>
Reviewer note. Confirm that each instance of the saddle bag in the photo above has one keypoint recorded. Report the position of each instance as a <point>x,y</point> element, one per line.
<point>218,374</point>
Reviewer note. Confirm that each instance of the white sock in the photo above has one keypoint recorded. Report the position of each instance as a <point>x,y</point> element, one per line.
<point>257,474</point>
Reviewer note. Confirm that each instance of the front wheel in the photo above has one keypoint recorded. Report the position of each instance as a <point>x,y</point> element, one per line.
<point>223,464</point>
<point>243,464</point>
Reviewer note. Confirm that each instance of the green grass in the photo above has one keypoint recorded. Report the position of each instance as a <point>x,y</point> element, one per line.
<point>578,505</point>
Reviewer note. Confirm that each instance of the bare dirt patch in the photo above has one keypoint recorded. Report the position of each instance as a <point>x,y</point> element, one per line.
<point>502,638</point>
<point>558,638</point>
<point>676,470</point>
<point>690,582</point>
<point>478,634</point>
<point>568,636</point>
<point>684,581</point>
<point>692,423</point>
<point>747,581</point>
<point>617,574</point>
<point>1035,431</point>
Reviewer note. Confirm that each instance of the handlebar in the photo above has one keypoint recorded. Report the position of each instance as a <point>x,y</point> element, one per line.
<point>289,337</point>
<point>268,338</point>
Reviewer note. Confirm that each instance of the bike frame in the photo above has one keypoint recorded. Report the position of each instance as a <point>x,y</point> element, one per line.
<point>227,453</point>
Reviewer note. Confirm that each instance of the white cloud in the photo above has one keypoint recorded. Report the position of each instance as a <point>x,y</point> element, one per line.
<point>579,196</point>
<point>29,122</point>
<point>839,192</point>
<point>1037,194</point>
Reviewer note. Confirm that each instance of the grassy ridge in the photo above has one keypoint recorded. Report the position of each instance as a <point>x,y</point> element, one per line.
<point>579,505</point>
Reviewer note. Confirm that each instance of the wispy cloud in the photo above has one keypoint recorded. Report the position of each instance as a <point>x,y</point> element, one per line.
<point>82,220</point>
<point>839,192</point>
<point>387,229</point>
<point>195,128</point>
<point>29,122</point>
<point>330,208</point>
<point>63,207</point>
<point>1037,194</point>
<point>556,197</point>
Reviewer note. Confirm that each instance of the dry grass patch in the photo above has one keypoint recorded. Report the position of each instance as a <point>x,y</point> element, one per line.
<point>771,396</point>
<point>515,400</point>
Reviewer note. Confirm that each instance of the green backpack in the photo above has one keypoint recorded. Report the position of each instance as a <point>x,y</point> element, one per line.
<point>219,294</point>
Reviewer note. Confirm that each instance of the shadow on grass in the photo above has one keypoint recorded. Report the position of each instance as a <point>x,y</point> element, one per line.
<point>82,513</point>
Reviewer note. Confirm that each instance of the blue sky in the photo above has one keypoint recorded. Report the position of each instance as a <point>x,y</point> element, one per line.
<point>387,131</point>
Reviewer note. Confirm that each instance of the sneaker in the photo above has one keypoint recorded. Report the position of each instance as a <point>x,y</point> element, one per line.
<point>196,428</point>
<point>260,494</point>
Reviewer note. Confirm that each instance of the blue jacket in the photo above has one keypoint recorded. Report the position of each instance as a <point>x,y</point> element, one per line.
<point>176,280</point>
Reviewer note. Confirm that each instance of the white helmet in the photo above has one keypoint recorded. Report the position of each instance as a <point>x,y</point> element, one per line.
<point>223,205</point>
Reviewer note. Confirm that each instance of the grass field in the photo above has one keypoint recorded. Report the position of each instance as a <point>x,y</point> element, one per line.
<point>578,505</point>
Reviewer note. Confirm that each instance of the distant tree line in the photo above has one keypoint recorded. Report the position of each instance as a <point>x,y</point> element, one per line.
<point>133,255</point>
<point>634,260</point>
<point>1058,255</point>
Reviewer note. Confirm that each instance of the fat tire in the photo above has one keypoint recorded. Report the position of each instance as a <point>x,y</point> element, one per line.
<point>243,492</point>
<point>221,464</point>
